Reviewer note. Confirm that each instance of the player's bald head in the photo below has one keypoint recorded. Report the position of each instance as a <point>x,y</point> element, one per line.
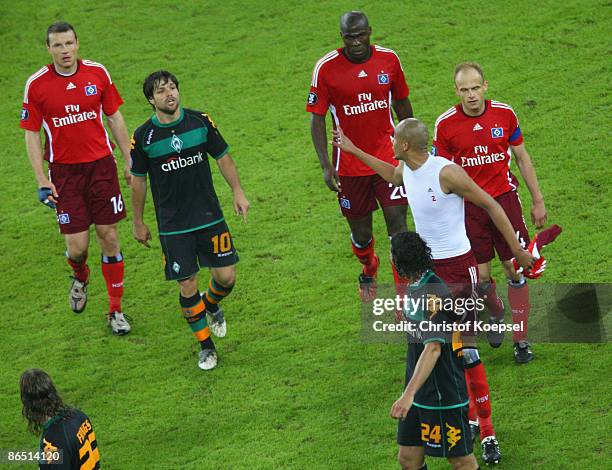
<point>469,66</point>
<point>413,132</point>
<point>352,19</point>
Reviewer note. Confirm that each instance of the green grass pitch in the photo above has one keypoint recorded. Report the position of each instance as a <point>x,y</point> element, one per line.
<point>296,386</point>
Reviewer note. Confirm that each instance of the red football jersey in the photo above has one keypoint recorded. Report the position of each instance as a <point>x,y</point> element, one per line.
<point>70,108</point>
<point>481,144</point>
<point>359,99</point>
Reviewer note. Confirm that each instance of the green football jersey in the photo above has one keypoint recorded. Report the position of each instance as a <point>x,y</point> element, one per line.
<point>432,317</point>
<point>175,156</point>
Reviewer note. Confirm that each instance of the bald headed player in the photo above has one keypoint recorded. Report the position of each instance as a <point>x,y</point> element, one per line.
<point>481,135</point>
<point>359,84</point>
<point>436,190</point>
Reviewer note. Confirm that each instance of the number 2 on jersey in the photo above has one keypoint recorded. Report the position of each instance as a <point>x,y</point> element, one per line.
<point>221,243</point>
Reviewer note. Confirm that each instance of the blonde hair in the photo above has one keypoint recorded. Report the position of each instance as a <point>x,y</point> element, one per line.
<point>468,65</point>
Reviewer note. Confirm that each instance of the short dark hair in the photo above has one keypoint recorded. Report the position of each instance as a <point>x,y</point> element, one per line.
<point>350,18</point>
<point>468,65</point>
<point>40,399</point>
<point>60,27</point>
<point>411,255</point>
<point>157,78</point>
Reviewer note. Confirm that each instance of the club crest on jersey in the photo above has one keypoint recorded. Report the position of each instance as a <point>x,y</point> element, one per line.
<point>176,143</point>
<point>312,98</point>
<point>345,203</point>
<point>383,78</point>
<point>24,114</point>
<point>497,132</point>
<point>91,90</point>
<point>63,218</point>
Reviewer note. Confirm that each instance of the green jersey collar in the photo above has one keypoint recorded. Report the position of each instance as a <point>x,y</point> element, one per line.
<point>50,422</point>
<point>170,124</point>
<point>423,279</point>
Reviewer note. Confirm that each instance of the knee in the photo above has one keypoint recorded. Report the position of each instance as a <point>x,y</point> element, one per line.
<point>467,462</point>
<point>189,287</point>
<point>408,460</point>
<point>109,241</point>
<point>226,279</point>
<point>76,251</point>
<point>361,236</point>
<point>77,254</point>
<point>395,226</point>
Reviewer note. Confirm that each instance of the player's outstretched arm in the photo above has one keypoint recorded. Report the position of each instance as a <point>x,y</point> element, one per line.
<point>454,179</point>
<point>422,370</point>
<point>318,132</point>
<point>35,154</point>
<point>142,234</point>
<point>120,133</point>
<point>390,173</point>
<point>523,161</point>
<point>402,108</point>
<point>230,173</point>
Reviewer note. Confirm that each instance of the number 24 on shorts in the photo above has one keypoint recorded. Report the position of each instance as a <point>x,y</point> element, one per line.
<point>221,243</point>
<point>430,433</point>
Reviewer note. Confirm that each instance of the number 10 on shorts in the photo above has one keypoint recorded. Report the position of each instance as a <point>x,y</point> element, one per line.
<point>221,243</point>
<point>117,203</point>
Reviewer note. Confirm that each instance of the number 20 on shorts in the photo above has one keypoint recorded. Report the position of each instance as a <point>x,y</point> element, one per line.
<point>221,243</point>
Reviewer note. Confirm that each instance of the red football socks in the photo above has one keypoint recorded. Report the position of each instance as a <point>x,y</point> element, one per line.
<point>486,427</point>
<point>367,257</point>
<point>401,283</point>
<point>492,301</point>
<point>518,296</point>
<point>478,389</point>
<point>112,269</point>
<point>472,413</point>
<point>80,269</point>
<point>547,236</point>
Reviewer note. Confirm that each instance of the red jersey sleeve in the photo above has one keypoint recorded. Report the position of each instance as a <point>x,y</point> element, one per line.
<point>31,117</point>
<point>399,87</point>
<point>111,100</point>
<point>318,97</point>
<point>516,136</point>
<point>440,143</point>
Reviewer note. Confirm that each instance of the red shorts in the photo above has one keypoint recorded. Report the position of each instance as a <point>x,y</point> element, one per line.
<point>358,195</point>
<point>483,233</point>
<point>460,274</point>
<point>89,193</point>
